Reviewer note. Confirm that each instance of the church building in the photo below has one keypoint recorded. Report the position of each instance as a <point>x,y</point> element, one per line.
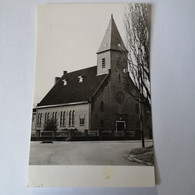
<point>93,99</point>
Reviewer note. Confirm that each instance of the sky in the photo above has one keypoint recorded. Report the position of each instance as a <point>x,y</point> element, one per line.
<point>68,37</point>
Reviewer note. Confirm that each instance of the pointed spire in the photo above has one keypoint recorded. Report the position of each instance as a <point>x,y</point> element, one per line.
<point>112,39</point>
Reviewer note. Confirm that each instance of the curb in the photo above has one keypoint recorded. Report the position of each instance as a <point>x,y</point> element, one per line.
<point>134,159</point>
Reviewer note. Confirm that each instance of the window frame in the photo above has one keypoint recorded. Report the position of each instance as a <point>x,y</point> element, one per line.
<point>70,118</point>
<point>73,118</point>
<point>103,62</point>
<point>82,121</point>
<point>64,119</point>
<point>102,106</point>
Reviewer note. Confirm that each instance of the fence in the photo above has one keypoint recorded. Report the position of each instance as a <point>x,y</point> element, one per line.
<point>92,135</point>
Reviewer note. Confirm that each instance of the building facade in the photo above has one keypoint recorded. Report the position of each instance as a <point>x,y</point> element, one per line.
<point>94,99</point>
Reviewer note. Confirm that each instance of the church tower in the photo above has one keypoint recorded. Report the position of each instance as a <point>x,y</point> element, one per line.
<point>112,50</point>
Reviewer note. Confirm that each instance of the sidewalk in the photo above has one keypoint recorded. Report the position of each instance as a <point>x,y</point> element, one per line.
<point>141,155</point>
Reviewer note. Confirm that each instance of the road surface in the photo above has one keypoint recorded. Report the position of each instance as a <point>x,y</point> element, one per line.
<point>82,153</point>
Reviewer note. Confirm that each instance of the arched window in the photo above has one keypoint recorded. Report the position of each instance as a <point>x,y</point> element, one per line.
<point>73,114</point>
<point>70,118</point>
<point>101,106</point>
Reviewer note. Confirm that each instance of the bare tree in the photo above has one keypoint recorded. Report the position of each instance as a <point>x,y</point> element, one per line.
<point>51,125</point>
<point>136,21</point>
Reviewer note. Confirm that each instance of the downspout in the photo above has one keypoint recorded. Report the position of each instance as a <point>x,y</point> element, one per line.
<point>90,121</point>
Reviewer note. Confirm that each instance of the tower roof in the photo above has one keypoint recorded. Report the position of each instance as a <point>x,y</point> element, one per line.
<point>112,39</point>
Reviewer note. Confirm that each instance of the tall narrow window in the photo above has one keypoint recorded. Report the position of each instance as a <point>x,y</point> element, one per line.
<point>70,118</point>
<point>64,118</point>
<point>101,106</point>
<point>103,62</point>
<point>40,120</point>
<point>55,118</point>
<point>45,118</point>
<point>61,119</point>
<point>73,114</point>
<point>119,78</point>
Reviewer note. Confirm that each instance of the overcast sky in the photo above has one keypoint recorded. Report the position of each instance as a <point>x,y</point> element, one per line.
<point>68,37</point>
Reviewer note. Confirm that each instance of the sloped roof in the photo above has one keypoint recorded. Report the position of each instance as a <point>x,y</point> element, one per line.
<point>112,39</point>
<point>74,91</point>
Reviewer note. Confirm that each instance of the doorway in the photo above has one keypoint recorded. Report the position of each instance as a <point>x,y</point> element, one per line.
<point>120,126</point>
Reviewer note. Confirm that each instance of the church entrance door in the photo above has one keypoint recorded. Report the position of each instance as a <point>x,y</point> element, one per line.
<point>120,127</point>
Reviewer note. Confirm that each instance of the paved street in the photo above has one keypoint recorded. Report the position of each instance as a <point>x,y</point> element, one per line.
<point>82,153</point>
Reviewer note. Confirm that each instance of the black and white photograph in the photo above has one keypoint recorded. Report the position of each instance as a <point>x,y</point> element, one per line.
<point>92,98</point>
<point>97,97</point>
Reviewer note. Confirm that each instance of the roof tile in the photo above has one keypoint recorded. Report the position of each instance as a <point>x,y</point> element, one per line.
<point>74,91</point>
